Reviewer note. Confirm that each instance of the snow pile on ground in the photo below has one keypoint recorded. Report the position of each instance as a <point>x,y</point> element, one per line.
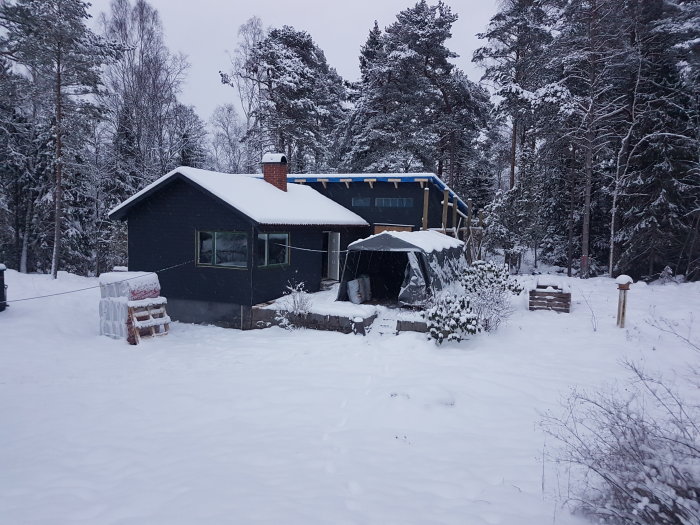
<point>209,425</point>
<point>324,303</point>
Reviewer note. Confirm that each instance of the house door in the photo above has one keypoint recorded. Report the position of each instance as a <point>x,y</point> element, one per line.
<point>333,256</point>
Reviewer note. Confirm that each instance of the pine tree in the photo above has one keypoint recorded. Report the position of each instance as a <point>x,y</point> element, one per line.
<point>661,182</point>
<point>301,98</point>
<point>517,37</point>
<point>416,111</point>
<point>51,38</point>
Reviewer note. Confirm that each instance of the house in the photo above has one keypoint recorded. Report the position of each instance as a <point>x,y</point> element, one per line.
<point>233,241</point>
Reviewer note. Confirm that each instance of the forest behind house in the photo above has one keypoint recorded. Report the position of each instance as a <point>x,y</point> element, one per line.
<point>579,146</point>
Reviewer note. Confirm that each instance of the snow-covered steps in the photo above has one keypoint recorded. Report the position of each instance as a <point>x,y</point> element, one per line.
<point>384,324</point>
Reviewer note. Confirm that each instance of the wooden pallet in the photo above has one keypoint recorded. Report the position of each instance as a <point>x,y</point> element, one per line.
<point>147,321</point>
<point>545,299</point>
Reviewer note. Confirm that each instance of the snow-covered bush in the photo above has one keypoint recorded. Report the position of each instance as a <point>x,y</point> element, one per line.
<point>295,303</point>
<point>450,318</point>
<point>489,287</point>
<point>634,454</point>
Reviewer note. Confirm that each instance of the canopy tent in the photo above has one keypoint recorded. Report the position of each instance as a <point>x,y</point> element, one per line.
<point>407,267</point>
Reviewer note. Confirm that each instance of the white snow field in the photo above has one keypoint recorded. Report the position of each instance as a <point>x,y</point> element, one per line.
<point>216,426</point>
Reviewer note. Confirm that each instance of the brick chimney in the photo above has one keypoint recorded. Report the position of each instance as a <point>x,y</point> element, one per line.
<point>275,169</point>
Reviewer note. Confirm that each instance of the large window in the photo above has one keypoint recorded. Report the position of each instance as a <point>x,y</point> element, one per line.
<point>273,249</point>
<point>228,249</point>
<point>393,202</point>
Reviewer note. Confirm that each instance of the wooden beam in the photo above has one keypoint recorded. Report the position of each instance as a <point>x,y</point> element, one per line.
<point>470,206</point>
<point>445,202</point>
<point>395,181</point>
<point>454,215</point>
<point>347,182</point>
<point>371,182</point>
<point>426,202</point>
<point>324,182</point>
<point>300,181</point>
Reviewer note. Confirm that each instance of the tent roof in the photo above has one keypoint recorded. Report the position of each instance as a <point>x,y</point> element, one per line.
<point>256,198</point>
<point>420,241</point>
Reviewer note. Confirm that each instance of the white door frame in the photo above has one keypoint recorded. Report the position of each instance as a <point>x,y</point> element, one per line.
<point>333,255</point>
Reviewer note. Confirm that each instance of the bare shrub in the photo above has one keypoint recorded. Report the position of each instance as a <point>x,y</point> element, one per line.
<point>636,452</point>
<point>295,303</point>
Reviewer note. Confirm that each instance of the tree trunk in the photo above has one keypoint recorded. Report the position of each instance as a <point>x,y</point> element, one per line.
<point>513,147</point>
<point>570,240</point>
<point>25,236</point>
<point>613,216</point>
<point>572,202</point>
<point>58,191</point>
<point>585,235</point>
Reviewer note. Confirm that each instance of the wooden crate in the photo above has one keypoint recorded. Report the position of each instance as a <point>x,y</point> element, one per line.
<point>550,298</point>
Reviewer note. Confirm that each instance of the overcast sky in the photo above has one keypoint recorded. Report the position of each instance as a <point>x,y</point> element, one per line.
<point>205,31</point>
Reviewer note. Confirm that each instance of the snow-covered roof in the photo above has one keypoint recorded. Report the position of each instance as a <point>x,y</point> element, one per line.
<point>258,199</point>
<point>274,158</point>
<point>424,240</point>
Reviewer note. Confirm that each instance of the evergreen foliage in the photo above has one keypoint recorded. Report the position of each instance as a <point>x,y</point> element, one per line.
<point>489,287</point>
<point>587,156</point>
<point>450,318</point>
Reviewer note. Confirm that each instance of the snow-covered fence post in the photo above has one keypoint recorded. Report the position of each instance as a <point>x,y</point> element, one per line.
<point>623,284</point>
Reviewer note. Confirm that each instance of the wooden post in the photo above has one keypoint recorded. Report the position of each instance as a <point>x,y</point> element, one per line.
<point>623,284</point>
<point>426,200</point>
<point>468,236</point>
<point>621,307</point>
<point>445,204</point>
<point>454,217</point>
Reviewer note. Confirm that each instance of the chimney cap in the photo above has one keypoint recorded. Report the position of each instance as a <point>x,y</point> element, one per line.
<point>274,158</point>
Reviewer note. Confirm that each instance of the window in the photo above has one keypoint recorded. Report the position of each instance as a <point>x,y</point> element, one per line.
<point>273,249</point>
<point>229,249</point>
<point>393,202</point>
<point>361,202</point>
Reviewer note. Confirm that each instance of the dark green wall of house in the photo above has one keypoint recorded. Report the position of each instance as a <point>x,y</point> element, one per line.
<point>343,195</point>
<point>162,233</point>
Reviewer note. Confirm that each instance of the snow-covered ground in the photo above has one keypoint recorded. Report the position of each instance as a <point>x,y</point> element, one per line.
<point>324,303</point>
<point>216,426</point>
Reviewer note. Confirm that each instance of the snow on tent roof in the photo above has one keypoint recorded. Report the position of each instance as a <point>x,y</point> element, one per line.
<point>260,200</point>
<point>396,241</point>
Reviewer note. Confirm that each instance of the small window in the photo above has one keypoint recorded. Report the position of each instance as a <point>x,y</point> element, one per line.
<point>361,202</point>
<point>229,249</point>
<point>272,249</point>
<point>393,202</point>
